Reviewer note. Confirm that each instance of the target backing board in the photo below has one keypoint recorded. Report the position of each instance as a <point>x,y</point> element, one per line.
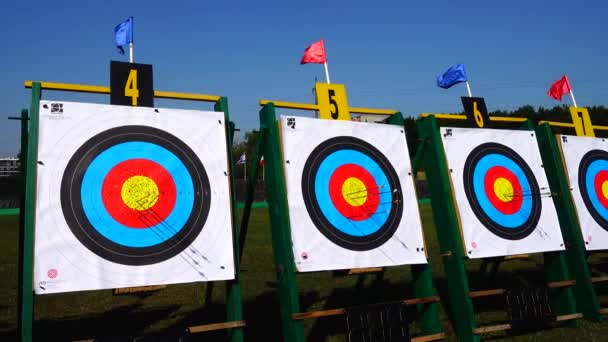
<point>587,166</point>
<point>351,195</point>
<point>130,196</point>
<point>501,192</point>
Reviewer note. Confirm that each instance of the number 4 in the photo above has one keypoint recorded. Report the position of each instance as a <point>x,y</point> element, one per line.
<point>131,87</point>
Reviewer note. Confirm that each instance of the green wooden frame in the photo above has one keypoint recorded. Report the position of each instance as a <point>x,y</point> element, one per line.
<point>448,232</point>
<point>29,143</point>
<point>269,145</point>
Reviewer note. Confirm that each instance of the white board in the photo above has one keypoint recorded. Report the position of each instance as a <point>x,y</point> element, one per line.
<point>351,195</point>
<point>501,191</point>
<point>130,196</point>
<point>587,167</point>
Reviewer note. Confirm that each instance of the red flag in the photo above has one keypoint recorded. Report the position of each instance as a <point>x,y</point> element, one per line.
<point>315,53</point>
<point>262,161</point>
<point>560,88</point>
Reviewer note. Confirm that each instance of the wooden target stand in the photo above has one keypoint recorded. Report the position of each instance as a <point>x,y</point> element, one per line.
<point>332,105</point>
<point>29,143</point>
<point>587,301</point>
<point>447,224</point>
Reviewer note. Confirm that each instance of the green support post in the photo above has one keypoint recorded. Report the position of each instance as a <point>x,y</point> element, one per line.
<point>586,299</point>
<point>234,305</point>
<point>28,210</point>
<point>446,224</point>
<point>428,314</point>
<point>279,221</point>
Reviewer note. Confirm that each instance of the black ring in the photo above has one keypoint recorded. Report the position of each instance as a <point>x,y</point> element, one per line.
<point>583,167</point>
<point>83,229</point>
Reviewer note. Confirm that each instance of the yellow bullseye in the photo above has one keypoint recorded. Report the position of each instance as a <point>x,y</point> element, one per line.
<point>503,189</point>
<point>605,189</point>
<point>354,191</point>
<point>139,193</point>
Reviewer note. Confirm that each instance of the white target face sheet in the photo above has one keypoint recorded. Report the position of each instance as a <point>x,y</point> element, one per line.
<point>586,161</point>
<point>351,196</point>
<point>130,196</point>
<point>501,192</point>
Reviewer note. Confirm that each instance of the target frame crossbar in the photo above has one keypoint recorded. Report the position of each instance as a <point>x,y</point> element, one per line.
<point>269,145</point>
<point>431,152</point>
<point>29,144</point>
<point>314,107</point>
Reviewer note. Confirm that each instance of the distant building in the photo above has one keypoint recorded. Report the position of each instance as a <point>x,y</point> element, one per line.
<point>9,166</point>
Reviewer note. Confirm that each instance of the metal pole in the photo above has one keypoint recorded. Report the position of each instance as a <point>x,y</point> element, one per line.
<point>326,73</point>
<point>131,52</point>
<point>468,88</point>
<point>572,96</point>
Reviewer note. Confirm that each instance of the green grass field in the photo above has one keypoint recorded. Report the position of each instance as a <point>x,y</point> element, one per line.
<point>81,315</point>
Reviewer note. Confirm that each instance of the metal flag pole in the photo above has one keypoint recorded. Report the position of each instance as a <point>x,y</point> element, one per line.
<point>131,42</point>
<point>572,96</point>
<point>468,88</point>
<point>326,72</point>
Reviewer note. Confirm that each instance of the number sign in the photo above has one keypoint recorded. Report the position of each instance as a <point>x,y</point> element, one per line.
<point>131,84</point>
<point>582,121</point>
<point>332,102</point>
<point>477,113</point>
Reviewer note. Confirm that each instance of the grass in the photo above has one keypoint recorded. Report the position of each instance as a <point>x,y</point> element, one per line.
<point>165,313</point>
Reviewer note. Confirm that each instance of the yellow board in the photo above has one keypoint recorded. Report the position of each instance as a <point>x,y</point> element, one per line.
<point>332,102</point>
<point>582,121</point>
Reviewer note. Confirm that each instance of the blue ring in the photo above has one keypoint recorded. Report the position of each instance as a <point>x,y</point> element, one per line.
<point>327,168</point>
<point>92,202</point>
<point>594,168</point>
<point>508,221</point>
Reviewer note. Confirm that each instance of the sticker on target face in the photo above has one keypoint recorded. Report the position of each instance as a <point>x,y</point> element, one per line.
<point>130,196</point>
<point>586,161</point>
<point>501,192</point>
<point>351,196</point>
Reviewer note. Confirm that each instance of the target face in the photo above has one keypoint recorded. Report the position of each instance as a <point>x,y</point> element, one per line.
<point>351,195</point>
<point>587,166</point>
<point>135,195</point>
<point>501,192</point>
<point>131,197</point>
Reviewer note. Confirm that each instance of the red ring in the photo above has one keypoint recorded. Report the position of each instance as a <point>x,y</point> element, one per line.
<point>355,213</point>
<point>598,180</point>
<point>114,204</point>
<point>507,208</point>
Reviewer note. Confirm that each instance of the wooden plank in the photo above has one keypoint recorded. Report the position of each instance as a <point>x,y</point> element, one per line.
<point>602,311</point>
<point>492,328</point>
<point>563,283</point>
<point>427,338</point>
<point>364,270</point>
<point>568,317</point>
<point>137,289</point>
<point>507,119</point>
<point>425,300</point>
<point>599,279</point>
<point>317,314</point>
<point>486,293</point>
<point>445,116</point>
<point>517,256</point>
<point>215,326</point>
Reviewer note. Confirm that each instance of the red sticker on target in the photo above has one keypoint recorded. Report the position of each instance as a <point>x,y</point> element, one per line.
<point>52,273</point>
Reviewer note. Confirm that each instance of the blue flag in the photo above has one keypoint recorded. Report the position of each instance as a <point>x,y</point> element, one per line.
<point>454,75</point>
<point>123,34</point>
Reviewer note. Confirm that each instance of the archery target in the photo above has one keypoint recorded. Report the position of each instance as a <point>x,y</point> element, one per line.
<point>586,161</point>
<point>130,196</point>
<point>351,196</point>
<point>501,192</point>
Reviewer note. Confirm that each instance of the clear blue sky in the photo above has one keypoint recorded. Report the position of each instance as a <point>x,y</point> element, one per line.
<point>386,52</point>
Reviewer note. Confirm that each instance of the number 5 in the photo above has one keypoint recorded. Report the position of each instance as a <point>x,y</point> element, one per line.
<point>332,101</point>
<point>131,87</point>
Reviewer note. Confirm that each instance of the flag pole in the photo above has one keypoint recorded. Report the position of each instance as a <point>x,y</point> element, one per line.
<point>326,72</point>
<point>245,171</point>
<point>131,41</point>
<point>468,88</point>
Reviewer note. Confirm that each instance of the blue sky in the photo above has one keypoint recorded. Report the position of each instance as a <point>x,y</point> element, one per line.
<point>387,53</point>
